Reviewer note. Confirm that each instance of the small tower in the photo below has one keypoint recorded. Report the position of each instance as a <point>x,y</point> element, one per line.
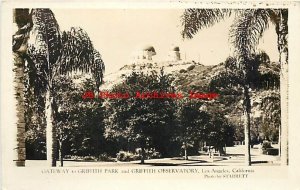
<point>174,54</point>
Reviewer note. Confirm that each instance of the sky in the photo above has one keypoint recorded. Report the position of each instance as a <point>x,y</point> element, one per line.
<point>117,33</point>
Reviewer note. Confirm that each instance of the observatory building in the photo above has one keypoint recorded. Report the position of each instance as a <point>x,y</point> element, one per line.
<point>145,53</point>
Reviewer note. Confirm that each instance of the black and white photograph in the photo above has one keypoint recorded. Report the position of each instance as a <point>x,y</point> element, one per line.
<point>194,90</point>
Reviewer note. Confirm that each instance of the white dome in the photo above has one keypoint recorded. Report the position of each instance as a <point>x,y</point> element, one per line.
<point>149,48</point>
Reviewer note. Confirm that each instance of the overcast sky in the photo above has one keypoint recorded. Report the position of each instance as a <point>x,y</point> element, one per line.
<point>117,33</point>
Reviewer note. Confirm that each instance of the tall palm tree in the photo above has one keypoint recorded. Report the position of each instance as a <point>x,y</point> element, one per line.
<point>23,22</point>
<point>53,53</point>
<point>45,53</point>
<point>249,26</point>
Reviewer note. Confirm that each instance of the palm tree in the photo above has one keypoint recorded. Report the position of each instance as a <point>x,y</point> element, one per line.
<point>245,33</point>
<point>23,21</point>
<point>45,53</point>
<point>53,54</point>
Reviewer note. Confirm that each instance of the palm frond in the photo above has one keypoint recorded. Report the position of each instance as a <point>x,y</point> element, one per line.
<point>46,30</point>
<point>55,53</point>
<point>247,29</point>
<point>36,68</point>
<point>274,15</point>
<point>194,20</point>
<point>98,68</point>
<point>78,54</point>
<point>77,51</point>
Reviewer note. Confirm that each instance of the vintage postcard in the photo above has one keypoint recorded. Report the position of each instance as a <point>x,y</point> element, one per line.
<point>149,95</point>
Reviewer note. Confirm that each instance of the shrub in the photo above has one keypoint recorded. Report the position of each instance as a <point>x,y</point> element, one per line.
<point>121,156</point>
<point>265,145</point>
<point>105,158</point>
<point>182,71</point>
<point>268,149</point>
<point>152,154</point>
<point>190,68</point>
<point>125,156</point>
<point>89,158</point>
<point>149,153</point>
<point>271,151</point>
<point>67,157</point>
<point>75,157</point>
<point>205,149</point>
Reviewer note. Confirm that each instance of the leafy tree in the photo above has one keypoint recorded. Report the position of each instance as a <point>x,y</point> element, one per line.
<point>90,116</point>
<point>65,95</point>
<point>271,119</point>
<point>79,122</point>
<point>219,132</point>
<point>192,124</point>
<point>147,122</point>
<point>245,33</point>
<point>198,123</point>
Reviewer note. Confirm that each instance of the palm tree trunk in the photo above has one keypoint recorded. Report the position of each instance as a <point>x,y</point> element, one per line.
<point>61,153</point>
<point>22,19</point>
<point>282,32</point>
<point>50,130</point>
<point>185,151</point>
<point>247,111</point>
<point>279,141</point>
<point>185,154</point>
<point>19,65</point>
<point>143,155</point>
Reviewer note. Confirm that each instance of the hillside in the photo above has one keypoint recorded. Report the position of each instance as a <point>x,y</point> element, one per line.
<point>192,76</point>
<point>170,67</point>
